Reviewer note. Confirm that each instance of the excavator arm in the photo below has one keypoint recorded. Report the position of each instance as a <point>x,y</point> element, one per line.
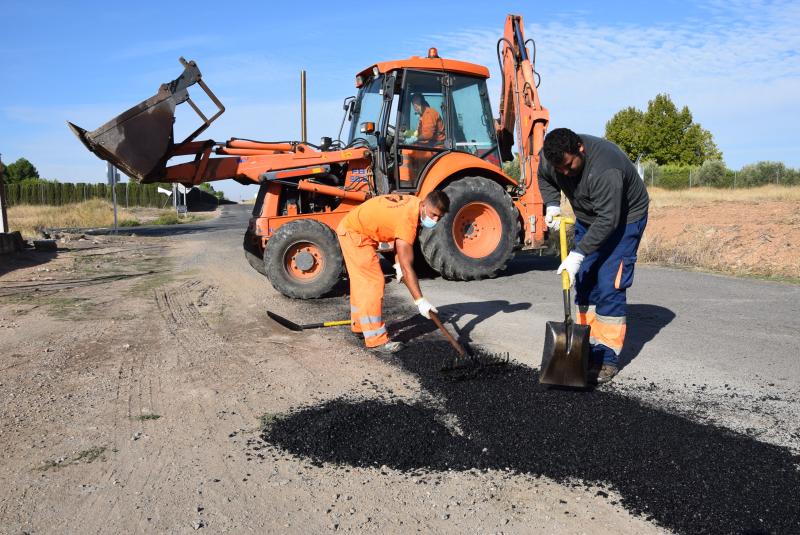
<point>522,118</point>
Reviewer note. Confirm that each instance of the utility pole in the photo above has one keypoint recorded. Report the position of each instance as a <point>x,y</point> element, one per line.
<point>113,176</point>
<point>3,215</point>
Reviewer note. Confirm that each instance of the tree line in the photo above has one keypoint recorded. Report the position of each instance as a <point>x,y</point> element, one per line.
<point>24,186</point>
<point>674,152</point>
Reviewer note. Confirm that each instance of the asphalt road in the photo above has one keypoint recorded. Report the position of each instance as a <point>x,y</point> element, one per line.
<point>689,325</point>
<point>693,334</point>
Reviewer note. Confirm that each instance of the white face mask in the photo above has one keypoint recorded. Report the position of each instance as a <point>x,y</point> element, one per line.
<point>426,221</point>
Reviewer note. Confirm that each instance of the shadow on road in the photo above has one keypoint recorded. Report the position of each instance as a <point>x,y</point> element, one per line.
<point>416,326</point>
<point>686,476</point>
<point>644,323</point>
<point>25,259</point>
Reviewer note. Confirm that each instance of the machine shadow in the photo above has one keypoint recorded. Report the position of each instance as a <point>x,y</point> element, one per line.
<point>686,476</point>
<point>25,259</point>
<point>644,323</point>
<point>416,326</point>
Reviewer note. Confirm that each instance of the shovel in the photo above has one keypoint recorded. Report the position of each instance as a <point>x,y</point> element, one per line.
<point>565,359</point>
<point>466,364</point>
<point>297,327</point>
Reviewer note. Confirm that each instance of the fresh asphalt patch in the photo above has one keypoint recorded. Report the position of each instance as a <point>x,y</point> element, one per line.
<point>686,476</point>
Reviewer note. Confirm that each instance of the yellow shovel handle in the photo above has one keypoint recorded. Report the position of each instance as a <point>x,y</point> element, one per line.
<point>562,239</point>
<point>336,323</point>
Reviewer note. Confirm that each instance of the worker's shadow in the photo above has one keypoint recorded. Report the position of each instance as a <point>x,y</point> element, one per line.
<point>644,323</point>
<point>416,326</point>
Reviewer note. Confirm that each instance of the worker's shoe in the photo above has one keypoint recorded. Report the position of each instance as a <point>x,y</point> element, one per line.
<point>607,373</point>
<point>388,348</point>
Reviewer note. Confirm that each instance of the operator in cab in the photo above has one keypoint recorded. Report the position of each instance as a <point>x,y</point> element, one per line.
<point>391,219</point>
<point>610,204</point>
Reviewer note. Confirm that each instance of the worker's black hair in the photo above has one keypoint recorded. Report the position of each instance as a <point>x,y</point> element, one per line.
<point>419,98</point>
<point>440,200</point>
<point>560,142</point>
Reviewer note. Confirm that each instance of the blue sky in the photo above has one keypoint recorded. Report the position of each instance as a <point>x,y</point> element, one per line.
<point>735,64</point>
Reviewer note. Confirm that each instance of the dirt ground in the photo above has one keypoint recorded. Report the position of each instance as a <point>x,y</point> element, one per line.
<point>137,374</point>
<point>747,237</point>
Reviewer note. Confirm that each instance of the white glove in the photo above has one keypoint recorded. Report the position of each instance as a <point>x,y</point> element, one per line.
<point>572,263</point>
<point>550,216</point>
<point>398,271</point>
<point>411,140</point>
<point>425,307</point>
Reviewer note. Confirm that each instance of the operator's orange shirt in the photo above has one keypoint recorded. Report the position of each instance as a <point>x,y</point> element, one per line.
<point>431,128</point>
<point>386,218</point>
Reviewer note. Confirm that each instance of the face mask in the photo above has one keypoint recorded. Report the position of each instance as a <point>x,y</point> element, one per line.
<point>426,221</point>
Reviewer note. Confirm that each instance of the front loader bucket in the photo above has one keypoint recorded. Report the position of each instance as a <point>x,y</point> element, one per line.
<point>140,140</point>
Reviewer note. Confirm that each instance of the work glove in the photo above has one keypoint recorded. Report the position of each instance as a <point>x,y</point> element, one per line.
<point>398,271</point>
<point>411,140</point>
<point>550,217</point>
<point>572,263</point>
<point>425,307</point>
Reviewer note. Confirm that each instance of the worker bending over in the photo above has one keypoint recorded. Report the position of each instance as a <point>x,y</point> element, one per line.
<point>610,204</point>
<point>391,219</point>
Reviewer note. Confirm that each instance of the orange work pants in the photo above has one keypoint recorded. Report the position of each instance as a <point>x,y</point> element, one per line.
<point>366,285</point>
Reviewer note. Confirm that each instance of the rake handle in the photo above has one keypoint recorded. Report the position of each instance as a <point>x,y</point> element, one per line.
<point>453,342</point>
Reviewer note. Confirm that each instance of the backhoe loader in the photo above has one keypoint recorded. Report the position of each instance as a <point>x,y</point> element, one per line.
<point>306,189</point>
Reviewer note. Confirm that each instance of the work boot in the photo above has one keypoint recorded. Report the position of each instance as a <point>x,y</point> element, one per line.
<point>607,373</point>
<point>388,348</point>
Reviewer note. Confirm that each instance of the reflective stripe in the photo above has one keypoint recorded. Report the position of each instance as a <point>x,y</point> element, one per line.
<point>371,319</point>
<point>586,308</point>
<point>619,276</point>
<point>611,335</point>
<point>376,332</point>
<point>611,320</point>
<point>353,309</point>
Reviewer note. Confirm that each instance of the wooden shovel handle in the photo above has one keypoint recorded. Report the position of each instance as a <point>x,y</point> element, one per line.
<point>450,338</point>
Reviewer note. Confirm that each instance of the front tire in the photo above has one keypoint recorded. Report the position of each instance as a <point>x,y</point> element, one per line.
<point>303,259</point>
<point>476,238</point>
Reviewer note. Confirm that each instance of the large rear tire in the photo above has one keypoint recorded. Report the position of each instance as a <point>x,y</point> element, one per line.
<point>303,259</point>
<point>476,238</point>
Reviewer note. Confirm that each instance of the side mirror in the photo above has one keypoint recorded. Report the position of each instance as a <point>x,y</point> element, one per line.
<point>368,127</point>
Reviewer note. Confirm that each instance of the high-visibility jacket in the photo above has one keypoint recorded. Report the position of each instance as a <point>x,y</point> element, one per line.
<point>386,218</point>
<point>430,130</point>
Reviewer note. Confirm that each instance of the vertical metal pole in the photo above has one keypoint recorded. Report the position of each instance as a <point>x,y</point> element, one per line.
<point>126,194</point>
<point>112,178</point>
<point>303,136</point>
<point>3,215</point>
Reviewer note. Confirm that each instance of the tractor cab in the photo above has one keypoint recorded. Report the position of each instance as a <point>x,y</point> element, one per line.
<point>411,112</point>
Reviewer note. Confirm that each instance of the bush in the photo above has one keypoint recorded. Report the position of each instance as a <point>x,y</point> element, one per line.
<point>712,173</point>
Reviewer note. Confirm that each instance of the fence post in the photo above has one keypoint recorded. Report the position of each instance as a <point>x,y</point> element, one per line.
<point>3,215</point>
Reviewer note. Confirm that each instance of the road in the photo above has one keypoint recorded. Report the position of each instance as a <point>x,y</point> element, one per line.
<point>145,390</point>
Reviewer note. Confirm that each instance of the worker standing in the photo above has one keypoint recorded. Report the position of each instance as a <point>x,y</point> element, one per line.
<point>390,219</point>
<point>610,204</point>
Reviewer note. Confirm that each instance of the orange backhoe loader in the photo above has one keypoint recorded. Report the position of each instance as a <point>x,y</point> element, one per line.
<point>306,189</point>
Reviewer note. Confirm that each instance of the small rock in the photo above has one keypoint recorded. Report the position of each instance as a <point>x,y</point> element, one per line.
<point>197,524</point>
<point>136,436</point>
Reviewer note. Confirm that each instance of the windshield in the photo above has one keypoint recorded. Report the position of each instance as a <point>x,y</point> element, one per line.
<point>367,109</point>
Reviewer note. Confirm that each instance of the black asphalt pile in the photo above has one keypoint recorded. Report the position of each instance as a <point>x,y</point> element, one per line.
<point>683,475</point>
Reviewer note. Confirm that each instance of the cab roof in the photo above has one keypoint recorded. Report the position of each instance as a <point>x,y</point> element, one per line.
<point>426,64</point>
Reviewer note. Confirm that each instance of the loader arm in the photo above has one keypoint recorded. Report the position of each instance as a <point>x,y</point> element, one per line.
<point>522,118</point>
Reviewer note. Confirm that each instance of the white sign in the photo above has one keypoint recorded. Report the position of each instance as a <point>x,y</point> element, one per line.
<point>164,191</point>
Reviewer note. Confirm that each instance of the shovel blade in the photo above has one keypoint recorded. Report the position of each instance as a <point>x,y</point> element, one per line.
<point>565,359</point>
<point>285,322</point>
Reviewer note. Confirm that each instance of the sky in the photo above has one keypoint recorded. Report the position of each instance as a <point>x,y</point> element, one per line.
<point>736,64</point>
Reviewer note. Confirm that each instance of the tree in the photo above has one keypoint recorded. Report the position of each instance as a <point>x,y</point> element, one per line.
<point>20,170</point>
<point>662,133</point>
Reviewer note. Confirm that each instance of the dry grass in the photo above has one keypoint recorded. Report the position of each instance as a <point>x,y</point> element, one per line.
<point>699,196</point>
<point>31,220</point>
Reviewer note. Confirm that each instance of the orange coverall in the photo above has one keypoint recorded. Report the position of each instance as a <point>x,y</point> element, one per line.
<point>380,219</point>
<point>430,130</point>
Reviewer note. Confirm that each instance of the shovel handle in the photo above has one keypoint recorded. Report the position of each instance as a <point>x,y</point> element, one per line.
<point>562,241</point>
<point>453,342</point>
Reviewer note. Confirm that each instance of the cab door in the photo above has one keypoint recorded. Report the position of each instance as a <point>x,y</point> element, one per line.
<point>422,130</point>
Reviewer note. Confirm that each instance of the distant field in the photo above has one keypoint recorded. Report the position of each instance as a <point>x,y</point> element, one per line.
<point>30,219</point>
<point>695,196</point>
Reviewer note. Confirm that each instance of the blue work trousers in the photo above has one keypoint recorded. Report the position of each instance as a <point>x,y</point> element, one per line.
<point>600,286</point>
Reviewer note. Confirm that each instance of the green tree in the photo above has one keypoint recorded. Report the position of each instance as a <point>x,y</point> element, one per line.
<point>712,173</point>
<point>20,170</point>
<point>662,133</point>
<point>626,129</point>
<point>512,168</point>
